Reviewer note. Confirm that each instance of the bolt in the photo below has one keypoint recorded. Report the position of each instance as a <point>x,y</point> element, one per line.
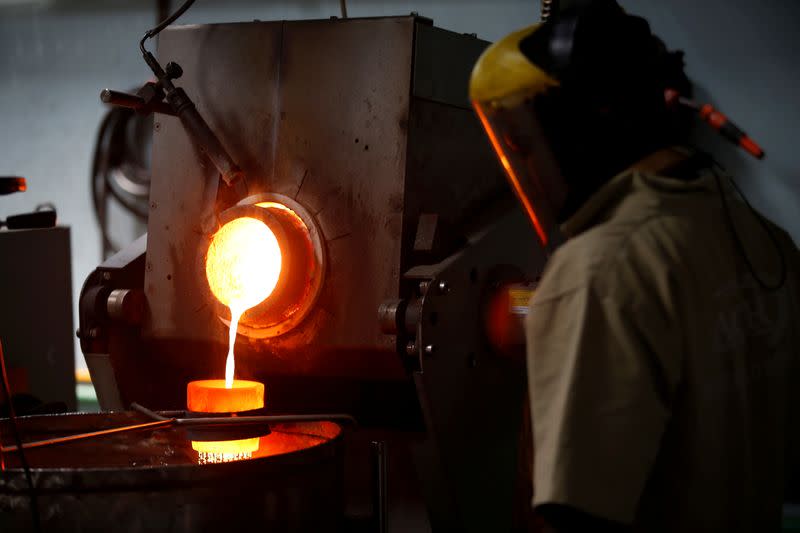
<point>444,288</point>
<point>107,276</point>
<point>157,126</point>
<point>423,287</point>
<point>411,348</point>
<point>173,70</point>
<point>430,349</point>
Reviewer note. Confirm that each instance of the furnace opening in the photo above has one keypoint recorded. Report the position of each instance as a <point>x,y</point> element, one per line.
<point>280,280</point>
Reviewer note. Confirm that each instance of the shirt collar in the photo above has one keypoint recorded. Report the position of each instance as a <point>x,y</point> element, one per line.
<point>609,195</point>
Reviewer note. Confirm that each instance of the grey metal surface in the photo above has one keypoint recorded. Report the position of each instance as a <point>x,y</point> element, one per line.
<point>306,112</point>
<point>452,172</point>
<point>104,381</point>
<point>473,398</point>
<point>322,112</point>
<point>443,65</point>
<point>127,254</point>
<point>36,312</point>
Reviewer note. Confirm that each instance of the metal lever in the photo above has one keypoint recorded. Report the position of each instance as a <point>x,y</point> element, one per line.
<point>135,102</point>
<point>194,123</point>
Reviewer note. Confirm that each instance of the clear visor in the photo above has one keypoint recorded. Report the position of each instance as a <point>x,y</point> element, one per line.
<point>530,166</point>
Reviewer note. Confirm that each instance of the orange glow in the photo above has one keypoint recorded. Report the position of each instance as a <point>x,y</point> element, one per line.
<point>278,205</point>
<point>273,205</point>
<point>243,265</point>
<point>225,451</point>
<point>511,174</point>
<point>212,396</point>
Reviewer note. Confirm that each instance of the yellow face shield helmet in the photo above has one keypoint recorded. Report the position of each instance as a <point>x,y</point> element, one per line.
<point>570,103</point>
<point>504,88</point>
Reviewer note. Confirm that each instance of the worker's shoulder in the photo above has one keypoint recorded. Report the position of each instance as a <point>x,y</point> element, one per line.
<point>648,243</point>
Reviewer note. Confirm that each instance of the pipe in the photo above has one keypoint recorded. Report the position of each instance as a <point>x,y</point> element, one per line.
<point>83,436</point>
<point>241,420</point>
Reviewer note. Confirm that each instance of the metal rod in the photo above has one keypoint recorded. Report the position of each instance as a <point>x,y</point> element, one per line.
<point>83,436</point>
<point>380,498</point>
<point>161,422</point>
<point>243,420</point>
<point>213,421</point>
<point>148,413</point>
<point>134,101</point>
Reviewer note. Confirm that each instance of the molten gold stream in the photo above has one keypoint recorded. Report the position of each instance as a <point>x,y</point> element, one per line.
<point>243,265</point>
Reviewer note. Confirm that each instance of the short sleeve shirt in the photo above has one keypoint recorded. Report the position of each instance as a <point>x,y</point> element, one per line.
<point>660,371</point>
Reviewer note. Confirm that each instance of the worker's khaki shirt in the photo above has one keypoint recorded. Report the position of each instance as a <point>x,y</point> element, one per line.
<point>661,375</point>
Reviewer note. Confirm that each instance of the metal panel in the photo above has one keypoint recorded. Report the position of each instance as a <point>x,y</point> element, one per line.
<point>451,172</point>
<point>473,397</point>
<point>232,75</point>
<point>344,112</point>
<point>443,62</point>
<point>36,315</point>
<point>316,110</point>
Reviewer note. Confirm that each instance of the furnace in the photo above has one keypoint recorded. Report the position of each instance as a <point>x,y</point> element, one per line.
<point>362,245</point>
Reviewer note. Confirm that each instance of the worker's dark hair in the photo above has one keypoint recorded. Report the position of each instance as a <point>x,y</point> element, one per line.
<point>609,109</point>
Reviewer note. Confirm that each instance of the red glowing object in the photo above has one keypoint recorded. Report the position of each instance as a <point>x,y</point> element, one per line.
<point>211,396</point>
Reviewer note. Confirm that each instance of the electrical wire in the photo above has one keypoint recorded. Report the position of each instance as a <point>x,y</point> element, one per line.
<point>22,459</point>
<point>120,168</point>
<point>737,239</point>
<point>166,22</point>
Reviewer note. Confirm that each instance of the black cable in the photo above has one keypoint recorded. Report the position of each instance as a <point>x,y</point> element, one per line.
<point>99,172</point>
<point>118,158</point>
<point>37,526</point>
<point>162,10</point>
<point>141,212</point>
<point>166,22</point>
<point>738,241</point>
<point>120,168</point>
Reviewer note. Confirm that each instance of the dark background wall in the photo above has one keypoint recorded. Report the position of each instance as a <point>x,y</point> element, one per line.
<point>57,55</point>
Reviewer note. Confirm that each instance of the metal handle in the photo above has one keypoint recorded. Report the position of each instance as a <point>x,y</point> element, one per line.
<point>135,102</point>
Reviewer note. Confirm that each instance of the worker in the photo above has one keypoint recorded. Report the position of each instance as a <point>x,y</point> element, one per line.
<point>663,338</point>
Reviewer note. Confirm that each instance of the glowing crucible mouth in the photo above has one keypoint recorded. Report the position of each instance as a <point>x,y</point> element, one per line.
<point>243,263</point>
<point>243,266</point>
<point>267,260</point>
